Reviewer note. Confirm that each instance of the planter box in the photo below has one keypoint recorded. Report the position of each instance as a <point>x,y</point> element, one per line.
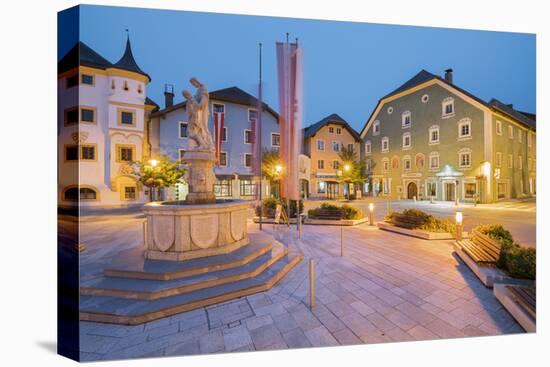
<point>332,222</point>
<point>271,220</point>
<point>489,275</point>
<point>507,300</point>
<point>419,233</point>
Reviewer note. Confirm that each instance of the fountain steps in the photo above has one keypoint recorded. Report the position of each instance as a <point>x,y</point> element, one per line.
<point>271,268</point>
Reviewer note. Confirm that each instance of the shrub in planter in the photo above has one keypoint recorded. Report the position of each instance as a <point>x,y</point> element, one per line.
<point>495,231</point>
<point>426,221</point>
<point>348,212</point>
<point>270,204</point>
<point>522,262</point>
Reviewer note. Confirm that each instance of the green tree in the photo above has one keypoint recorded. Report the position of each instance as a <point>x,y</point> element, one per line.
<point>159,173</point>
<point>353,170</point>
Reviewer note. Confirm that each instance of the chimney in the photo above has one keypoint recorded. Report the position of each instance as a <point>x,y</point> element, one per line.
<point>449,76</point>
<point>168,95</point>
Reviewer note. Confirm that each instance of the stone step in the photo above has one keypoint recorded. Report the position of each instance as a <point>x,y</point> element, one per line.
<point>133,312</point>
<point>155,289</point>
<point>140,268</point>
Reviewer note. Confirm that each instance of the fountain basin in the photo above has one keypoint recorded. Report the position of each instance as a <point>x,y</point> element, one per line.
<point>179,231</point>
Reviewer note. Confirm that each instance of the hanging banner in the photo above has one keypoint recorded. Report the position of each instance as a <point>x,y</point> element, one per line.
<point>218,133</point>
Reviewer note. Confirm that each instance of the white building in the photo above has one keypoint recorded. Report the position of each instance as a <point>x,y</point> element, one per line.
<point>103,113</point>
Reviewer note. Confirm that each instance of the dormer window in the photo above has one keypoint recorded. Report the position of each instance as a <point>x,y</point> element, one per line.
<point>406,119</point>
<point>448,107</point>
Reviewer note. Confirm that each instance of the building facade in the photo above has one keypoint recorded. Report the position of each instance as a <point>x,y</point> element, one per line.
<point>431,139</point>
<point>103,111</point>
<point>323,143</point>
<point>235,176</point>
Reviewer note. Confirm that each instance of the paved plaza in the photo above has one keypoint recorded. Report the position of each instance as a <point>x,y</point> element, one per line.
<point>386,288</point>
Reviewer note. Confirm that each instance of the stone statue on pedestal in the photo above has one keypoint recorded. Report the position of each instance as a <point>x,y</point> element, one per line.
<point>197,107</point>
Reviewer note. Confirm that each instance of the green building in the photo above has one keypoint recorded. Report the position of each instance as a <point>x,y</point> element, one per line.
<point>431,139</point>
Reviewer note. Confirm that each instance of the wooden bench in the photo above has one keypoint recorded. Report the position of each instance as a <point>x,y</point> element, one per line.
<point>481,248</point>
<point>526,298</point>
<point>328,214</point>
<point>406,221</point>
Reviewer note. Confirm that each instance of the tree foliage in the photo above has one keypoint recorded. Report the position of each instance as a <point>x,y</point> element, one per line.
<point>356,173</point>
<point>270,160</point>
<point>165,173</point>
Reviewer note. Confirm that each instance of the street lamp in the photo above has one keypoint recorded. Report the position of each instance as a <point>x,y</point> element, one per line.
<point>458,221</point>
<point>371,214</point>
<point>153,162</point>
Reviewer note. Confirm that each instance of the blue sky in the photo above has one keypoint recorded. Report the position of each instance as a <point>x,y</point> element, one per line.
<point>347,66</point>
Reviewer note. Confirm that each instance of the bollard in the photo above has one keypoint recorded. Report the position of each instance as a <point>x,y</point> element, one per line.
<point>459,232</point>
<point>341,241</point>
<point>311,284</point>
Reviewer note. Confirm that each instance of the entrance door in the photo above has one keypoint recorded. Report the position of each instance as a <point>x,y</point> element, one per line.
<point>412,190</point>
<point>450,191</point>
<point>332,190</point>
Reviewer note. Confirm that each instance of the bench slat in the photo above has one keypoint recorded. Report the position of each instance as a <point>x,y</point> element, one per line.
<point>525,297</point>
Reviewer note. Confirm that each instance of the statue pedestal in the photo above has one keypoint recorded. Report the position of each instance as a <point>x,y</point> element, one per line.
<point>201,176</point>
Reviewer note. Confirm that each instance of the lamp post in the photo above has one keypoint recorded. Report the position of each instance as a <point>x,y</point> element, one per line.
<point>347,168</point>
<point>458,221</point>
<point>371,214</point>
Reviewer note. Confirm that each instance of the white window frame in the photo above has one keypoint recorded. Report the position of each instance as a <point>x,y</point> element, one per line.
<point>425,98</point>
<point>389,110</point>
<point>368,147</point>
<point>404,116</point>
<point>351,147</point>
<point>272,135</point>
<point>446,102</point>
<point>224,134</point>
<point>510,131</point>
<point>498,159</point>
<point>338,131</point>
<point>387,140</point>
<point>255,110</point>
<point>335,164</point>
<point>244,159</point>
<point>520,162</point>
<point>179,131</point>
<point>434,155</point>
<point>244,136</point>
<point>338,143</point>
<point>498,127</point>
<point>404,138</point>
<point>385,165</point>
<point>179,154</point>
<point>218,104</point>
<point>376,128</point>
<point>510,161</point>
<point>320,162</point>
<point>322,141</point>
<point>465,151</point>
<point>226,159</point>
<point>465,122</point>
<point>406,159</point>
<point>430,131</point>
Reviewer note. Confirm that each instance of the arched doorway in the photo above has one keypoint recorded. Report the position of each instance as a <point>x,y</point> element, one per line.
<point>412,190</point>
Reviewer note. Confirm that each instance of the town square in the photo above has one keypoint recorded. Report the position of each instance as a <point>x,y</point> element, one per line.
<point>278,203</point>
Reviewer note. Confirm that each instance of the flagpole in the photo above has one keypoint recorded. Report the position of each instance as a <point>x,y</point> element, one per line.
<point>259,133</point>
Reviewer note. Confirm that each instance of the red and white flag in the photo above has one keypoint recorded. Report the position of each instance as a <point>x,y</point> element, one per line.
<point>289,68</point>
<point>218,133</point>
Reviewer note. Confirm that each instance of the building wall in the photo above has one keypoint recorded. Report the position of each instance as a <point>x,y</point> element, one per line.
<point>328,156</point>
<point>236,121</point>
<point>425,107</point>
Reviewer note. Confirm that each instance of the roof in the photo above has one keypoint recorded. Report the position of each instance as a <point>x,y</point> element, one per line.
<point>425,76</point>
<point>83,55</point>
<point>150,102</point>
<point>334,118</point>
<point>232,95</point>
<point>127,61</point>
<point>511,112</point>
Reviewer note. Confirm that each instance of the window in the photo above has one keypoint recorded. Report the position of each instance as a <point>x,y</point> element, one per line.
<point>84,194</point>
<point>395,163</point>
<point>529,139</point>
<point>336,164</point>
<point>130,193</point>
<point>385,144</point>
<point>368,147</point>
<point>499,128</point>
<point>126,117</point>
<point>406,119</point>
<point>183,130</point>
<point>320,145</point>
<point>510,161</point>
<point>217,107</point>
<point>464,128</point>
<point>248,188</point>
<point>320,164</point>
<point>71,152</point>
<point>520,162</point>
<point>87,152</point>
<point>510,132</point>
<point>222,188</point>
<point>247,136</point>
<point>407,141</point>
<point>71,81</point>
<point>419,161</point>
<point>390,110</point>
<point>252,115</point>
<point>498,160</point>
<point>520,136</point>
<point>350,147</point>
<point>140,89</point>
<point>223,159</point>
<point>87,114</point>
<point>376,128</point>
<point>125,153</point>
<point>224,134</point>
<point>182,156</point>
<point>338,130</point>
<point>87,79</point>
<point>248,160</point>
<point>434,160</point>
<point>448,107</point>
<point>275,140</point>
<point>113,84</point>
<point>433,133</point>
<point>385,165</point>
<point>321,187</point>
<point>431,189</point>
<point>470,189</point>
<point>464,158</point>
<point>331,130</point>
<point>407,163</point>
<point>71,116</point>
<point>125,86</point>
<point>425,98</point>
<point>336,146</point>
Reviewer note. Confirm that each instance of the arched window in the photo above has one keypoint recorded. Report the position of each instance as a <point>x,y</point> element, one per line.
<point>395,162</point>
<point>85,193</point>
<point>419,161</point>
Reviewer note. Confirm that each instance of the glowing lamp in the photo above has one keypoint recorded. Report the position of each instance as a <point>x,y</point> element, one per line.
<point>153,162</point>
<point>371,207</point>
<point>458,218</point>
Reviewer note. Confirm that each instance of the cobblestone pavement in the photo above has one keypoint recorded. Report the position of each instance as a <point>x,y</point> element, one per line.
<point>386,288</point>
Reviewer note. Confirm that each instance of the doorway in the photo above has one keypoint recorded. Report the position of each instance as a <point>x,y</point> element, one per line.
<point>450,191</point>
<point>412,190</point>
<point>332,190</point>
